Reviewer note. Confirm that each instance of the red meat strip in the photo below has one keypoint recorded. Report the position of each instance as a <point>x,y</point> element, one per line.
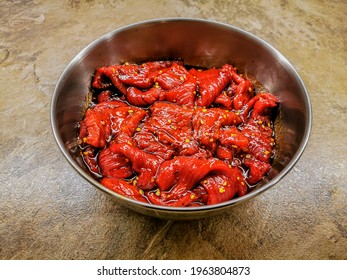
<point>189,198</point>
<point>144,164</point>
<point>261,104</point>
<point>243,92</point>
<point>183,94</point>
<point>258,130</point>
<point>173,84</point>
<point>153,66</point>
<point>114,165</point>
<point>130,124</point>
<point>134,75</point>
<point>233,138</point>
<point>104,96</point>
<point>211,83</point>
<point>207,124</point>
<point>147,142</point>
<point>224,153</point>
<point>224,186</point>
<point>177,177</point>
<point>224,100</point>
<point>257,170</point>
<point>104,121</point>
<point>259,150</point>
<point>172,77</point>
<point>123,188</point>
<point>95,128</point>
<point>90,159</point>
<point>171,124</point>
<point>121,76</point>
<point>143,98</point>
<point>260,139</point>
<point>105,77</point>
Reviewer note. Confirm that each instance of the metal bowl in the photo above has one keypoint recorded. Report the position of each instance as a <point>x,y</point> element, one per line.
<point>199,43</point>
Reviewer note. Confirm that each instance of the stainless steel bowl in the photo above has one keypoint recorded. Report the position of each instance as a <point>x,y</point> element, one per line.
<point>199,43</point>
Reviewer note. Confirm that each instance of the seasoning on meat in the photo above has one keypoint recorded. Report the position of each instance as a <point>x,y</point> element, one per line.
<point>164,133</point>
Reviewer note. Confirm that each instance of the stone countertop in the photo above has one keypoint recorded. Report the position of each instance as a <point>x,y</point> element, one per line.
<point>47,211</point>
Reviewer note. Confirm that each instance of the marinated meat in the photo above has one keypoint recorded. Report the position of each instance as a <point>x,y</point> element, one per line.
<point>167,134</point>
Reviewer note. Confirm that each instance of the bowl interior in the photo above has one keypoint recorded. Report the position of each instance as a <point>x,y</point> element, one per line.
<point>199,43</point>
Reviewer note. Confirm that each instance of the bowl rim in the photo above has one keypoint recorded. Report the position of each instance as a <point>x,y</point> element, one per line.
<point>169,209</point>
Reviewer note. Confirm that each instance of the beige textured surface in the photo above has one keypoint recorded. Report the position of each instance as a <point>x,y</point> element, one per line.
<point>48,212</point>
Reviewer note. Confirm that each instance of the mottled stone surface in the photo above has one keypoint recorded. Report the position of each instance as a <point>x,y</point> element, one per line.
<point>48,212</point>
